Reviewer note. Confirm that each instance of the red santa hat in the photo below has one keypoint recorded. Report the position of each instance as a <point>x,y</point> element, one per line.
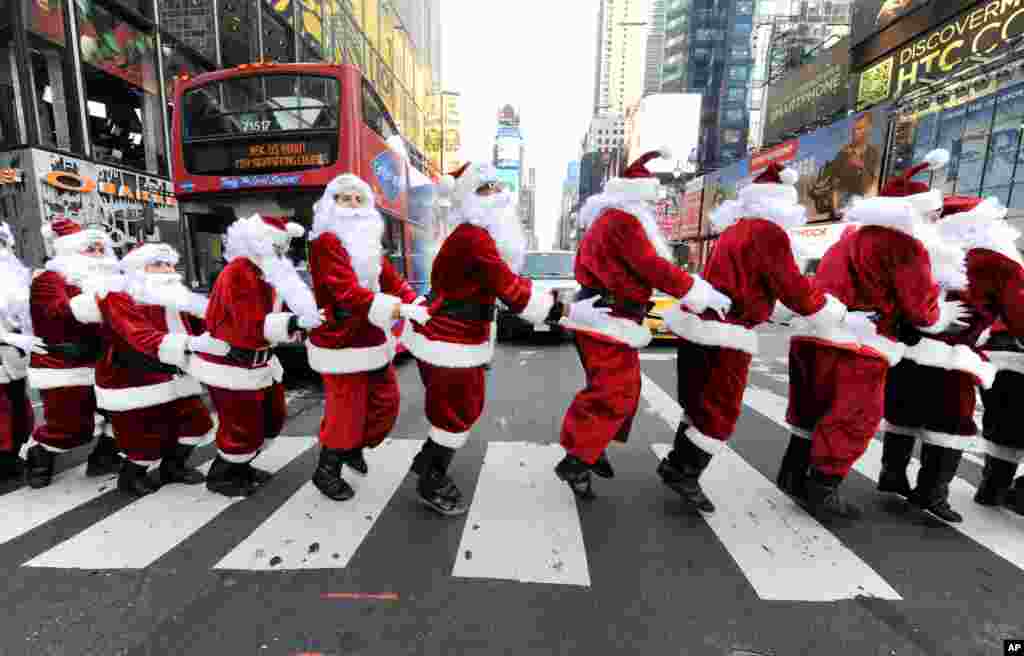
<point>636,182</point>
<point>141,256</point>
<point>776,183</point>
<point>467,179</point>
<point>920,195</point>
<point>62,236</point>
<point>975,222</point>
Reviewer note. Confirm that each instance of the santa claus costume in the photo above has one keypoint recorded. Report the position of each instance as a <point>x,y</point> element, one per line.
<point>247,312</point>
<point>471,271</point>
<point>621,259</point>
<point>65,316</point>
<point>837,377</point>
<point>754,264</point>
<point>158,418</point>
<point>1002,438</point>
<point>16,344</point>
<point>362,295</point>
<point>931,393</point>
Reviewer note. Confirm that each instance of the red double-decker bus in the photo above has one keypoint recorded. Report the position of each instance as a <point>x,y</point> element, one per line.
<point>268,138</point>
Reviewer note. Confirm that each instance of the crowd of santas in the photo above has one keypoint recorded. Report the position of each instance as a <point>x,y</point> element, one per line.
<point>919,302</point>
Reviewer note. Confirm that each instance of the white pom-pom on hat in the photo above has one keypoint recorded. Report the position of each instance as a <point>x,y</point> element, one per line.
<point>937,158</point>
<point>295,230</point>
<point>789,176</point>
<point>665,152</point>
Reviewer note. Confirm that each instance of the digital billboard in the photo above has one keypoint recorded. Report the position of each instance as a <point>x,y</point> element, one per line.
<point>869,17</point>
<point>510,179</point>
<point>812,92</point>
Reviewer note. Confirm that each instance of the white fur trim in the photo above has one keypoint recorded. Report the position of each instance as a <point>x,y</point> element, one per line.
<point>927,201</point>
<point>13,365</point>
<point>937,158</point>
<point>760,192</point>
<point>704,442</point>
<point>539,306</point>
<point>276,370</point>
<point>983,227</point>
<point>710,333</point>
<point>295,230</point>
<point>644,189</point>
<point>133,398</point>
<point>620,329</point>
<point>971,443</point>
<point>275,327</point>
<point>380,310</point>
<point>886,212</point>
<point>665,152</point>
<point>450,440</point>
<point>896,429</point>
<point>138,258</point>
<point>789,176</point>
<point>447,354</point>
<point>1007,453</point>
<point>230,377</point>
<point>55,378</point>
<point>831,314</point>
<point>85,309</point>
<point>1007,360</point>
<point>172,349</point>
<point>238,458</point>
<point>781,314</point>
<point>349,360</point>
<point>195,440</point>
<point>933,353</point>
<point>699,296</point>
<point>839,337</point>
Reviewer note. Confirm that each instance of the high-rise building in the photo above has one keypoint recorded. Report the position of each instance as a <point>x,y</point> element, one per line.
<point>655,48</point>
<point>621,54</point>
<point>565,237</point>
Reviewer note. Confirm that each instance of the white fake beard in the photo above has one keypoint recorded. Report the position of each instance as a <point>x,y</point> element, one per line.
<point>158,288</point>
<point>15,280</point>
<point>79,269</point>
<point>360,231</point>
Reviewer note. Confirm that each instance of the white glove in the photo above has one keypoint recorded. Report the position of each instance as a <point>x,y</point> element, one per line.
<point>719,302</point>
<point>417,313</point>
<point>207,343</point>
<point>860,325</point>
<point>420,300</point>
<point>310,322</point>
<point>584,312</point>
<point>26,343</point>
<point>951,315</point>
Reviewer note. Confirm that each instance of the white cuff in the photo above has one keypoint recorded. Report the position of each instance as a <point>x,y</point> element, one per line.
<point>945,318</point>
<point>539,305</point>
<point>830,315</point>
<point>172,349</point>
<point>275,327</point>
<point>781,314</point>
<point>197,305</point>
<point>85,309</point>
<point>381,309</point>
<point>699,296</point>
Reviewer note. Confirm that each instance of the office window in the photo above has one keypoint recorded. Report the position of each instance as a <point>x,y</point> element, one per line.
<point>738,72</point>
<point>54,77</point>
<point>238,34</point>
<point>10,132</point>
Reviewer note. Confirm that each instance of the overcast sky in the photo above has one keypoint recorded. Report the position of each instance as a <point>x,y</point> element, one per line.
<point>537,55</point>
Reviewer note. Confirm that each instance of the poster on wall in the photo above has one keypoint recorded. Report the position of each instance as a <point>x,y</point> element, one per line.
<point>688,225</point>
<point>117,47</point>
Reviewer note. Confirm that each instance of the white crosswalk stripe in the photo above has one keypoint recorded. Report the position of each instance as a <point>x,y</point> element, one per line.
<point>26,509</point>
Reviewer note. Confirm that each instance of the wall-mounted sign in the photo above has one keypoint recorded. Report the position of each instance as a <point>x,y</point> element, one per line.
<point>280,155</point>
<point>813,92</point>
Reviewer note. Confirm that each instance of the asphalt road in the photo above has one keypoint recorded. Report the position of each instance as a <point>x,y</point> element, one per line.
<point>529,570</point>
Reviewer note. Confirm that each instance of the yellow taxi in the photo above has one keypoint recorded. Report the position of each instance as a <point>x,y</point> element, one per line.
<point>661,302</point>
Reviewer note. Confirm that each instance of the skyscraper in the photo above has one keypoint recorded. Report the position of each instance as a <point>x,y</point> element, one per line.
<point>621,53</point>
<point>655,49</point>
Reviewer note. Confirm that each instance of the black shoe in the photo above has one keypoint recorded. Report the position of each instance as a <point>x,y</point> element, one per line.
<point>603,467</point>
<point>231,479</point>
<point>327,477</point>
<point>685,480</point>
<point>11,466</point>
<point>792,478</point>
<point>938,467</point>
<point>135,480</point>
<point>996,479</point>
<point>439,493</point>
<point>823,497</point>
<point>174,467</point>
<point>355,461</point>
<point>258,477</point>
<point>39,466</point>
<point>104,459</point>
<point>942,510</point>
<point>576,473</point>
<point>894,481</point>
<point>896,452</point>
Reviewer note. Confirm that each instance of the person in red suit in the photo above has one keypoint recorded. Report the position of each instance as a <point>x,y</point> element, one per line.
<point>472,269</point>
<point>882,272</point>
<point>362,295</point>
<point>247,311</point>
<point>931,394</point>
<point>66,317</point>
<point>621,259</point>
<point>158,417</point>
<point>1003,415</point>
<point>16,344</point>
<point>754,264</point>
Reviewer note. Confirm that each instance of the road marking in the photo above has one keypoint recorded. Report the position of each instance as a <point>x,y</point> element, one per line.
<point>996,529</point>
<point>145,530</point>
<point>311,531</point>
<point>25,508</point>
<point>383,596</point>
<point>523,524</point>
<point>778,546</point>
<point>657,356</point>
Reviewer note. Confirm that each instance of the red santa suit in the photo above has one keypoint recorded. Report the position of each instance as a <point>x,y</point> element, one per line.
<point>16,343</point>
<point>754,263</point>
<point>65,316</point>
<point>246,312</point>
<point>358,288</point>
<point>154,405</point>
<point>622,258</point>
<point>470,272</point>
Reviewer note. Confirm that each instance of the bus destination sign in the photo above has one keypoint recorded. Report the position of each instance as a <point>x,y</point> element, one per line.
<point>263,156</point>
<point>259,157</point>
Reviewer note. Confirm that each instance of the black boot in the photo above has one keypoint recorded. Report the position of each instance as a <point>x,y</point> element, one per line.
<point>823,496</point>
<point>996,479</point>
<point>11,466</point>
<point>174,467</point>
<point>896,451</point>
<point>938,467</point>
<point>1015,501</point>
<point>682,468</point>
<point>355,461</point>
<point>135,480</point>
<point>603,467</point>
<point>104,459</point>
<point>232,479</point>
<point>576,473</point>
<point>39,466</point>
<point>436,490</point>
<point>792,478</point>
<point>327,477</point>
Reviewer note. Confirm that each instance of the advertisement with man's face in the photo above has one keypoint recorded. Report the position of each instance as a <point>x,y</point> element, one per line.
<point>871,16</point>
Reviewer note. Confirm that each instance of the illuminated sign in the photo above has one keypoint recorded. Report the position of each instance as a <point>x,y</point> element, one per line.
<point>259,181</point>
<point>10,176</point>
<point>280,156</point>
<point>70,181</point>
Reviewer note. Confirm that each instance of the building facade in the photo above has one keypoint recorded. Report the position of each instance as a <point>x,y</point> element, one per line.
<point>655,48</point>
<point>621,54</point>
<point>676,46</point>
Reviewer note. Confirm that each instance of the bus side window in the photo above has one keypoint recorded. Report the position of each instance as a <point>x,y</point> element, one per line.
<point>375,115</point>
<point>393,242</point>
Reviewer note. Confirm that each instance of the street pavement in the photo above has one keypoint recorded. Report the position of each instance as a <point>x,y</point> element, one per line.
<point>530,569</point>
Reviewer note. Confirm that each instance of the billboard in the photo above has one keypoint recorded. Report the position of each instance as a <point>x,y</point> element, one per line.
<point>812,92</point>
<point>664,119</point>
<point>508,146</point>
<point>869,17</point>
<point>980,37</point>
<point>688,225</point>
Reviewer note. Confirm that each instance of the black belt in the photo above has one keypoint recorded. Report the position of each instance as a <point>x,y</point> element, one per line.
<point>78,352</point>
<point>142,362</point>
<point>465,310</point>
<point>1003,342</point>
<point>629,308</point>
<point>248,357</point>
